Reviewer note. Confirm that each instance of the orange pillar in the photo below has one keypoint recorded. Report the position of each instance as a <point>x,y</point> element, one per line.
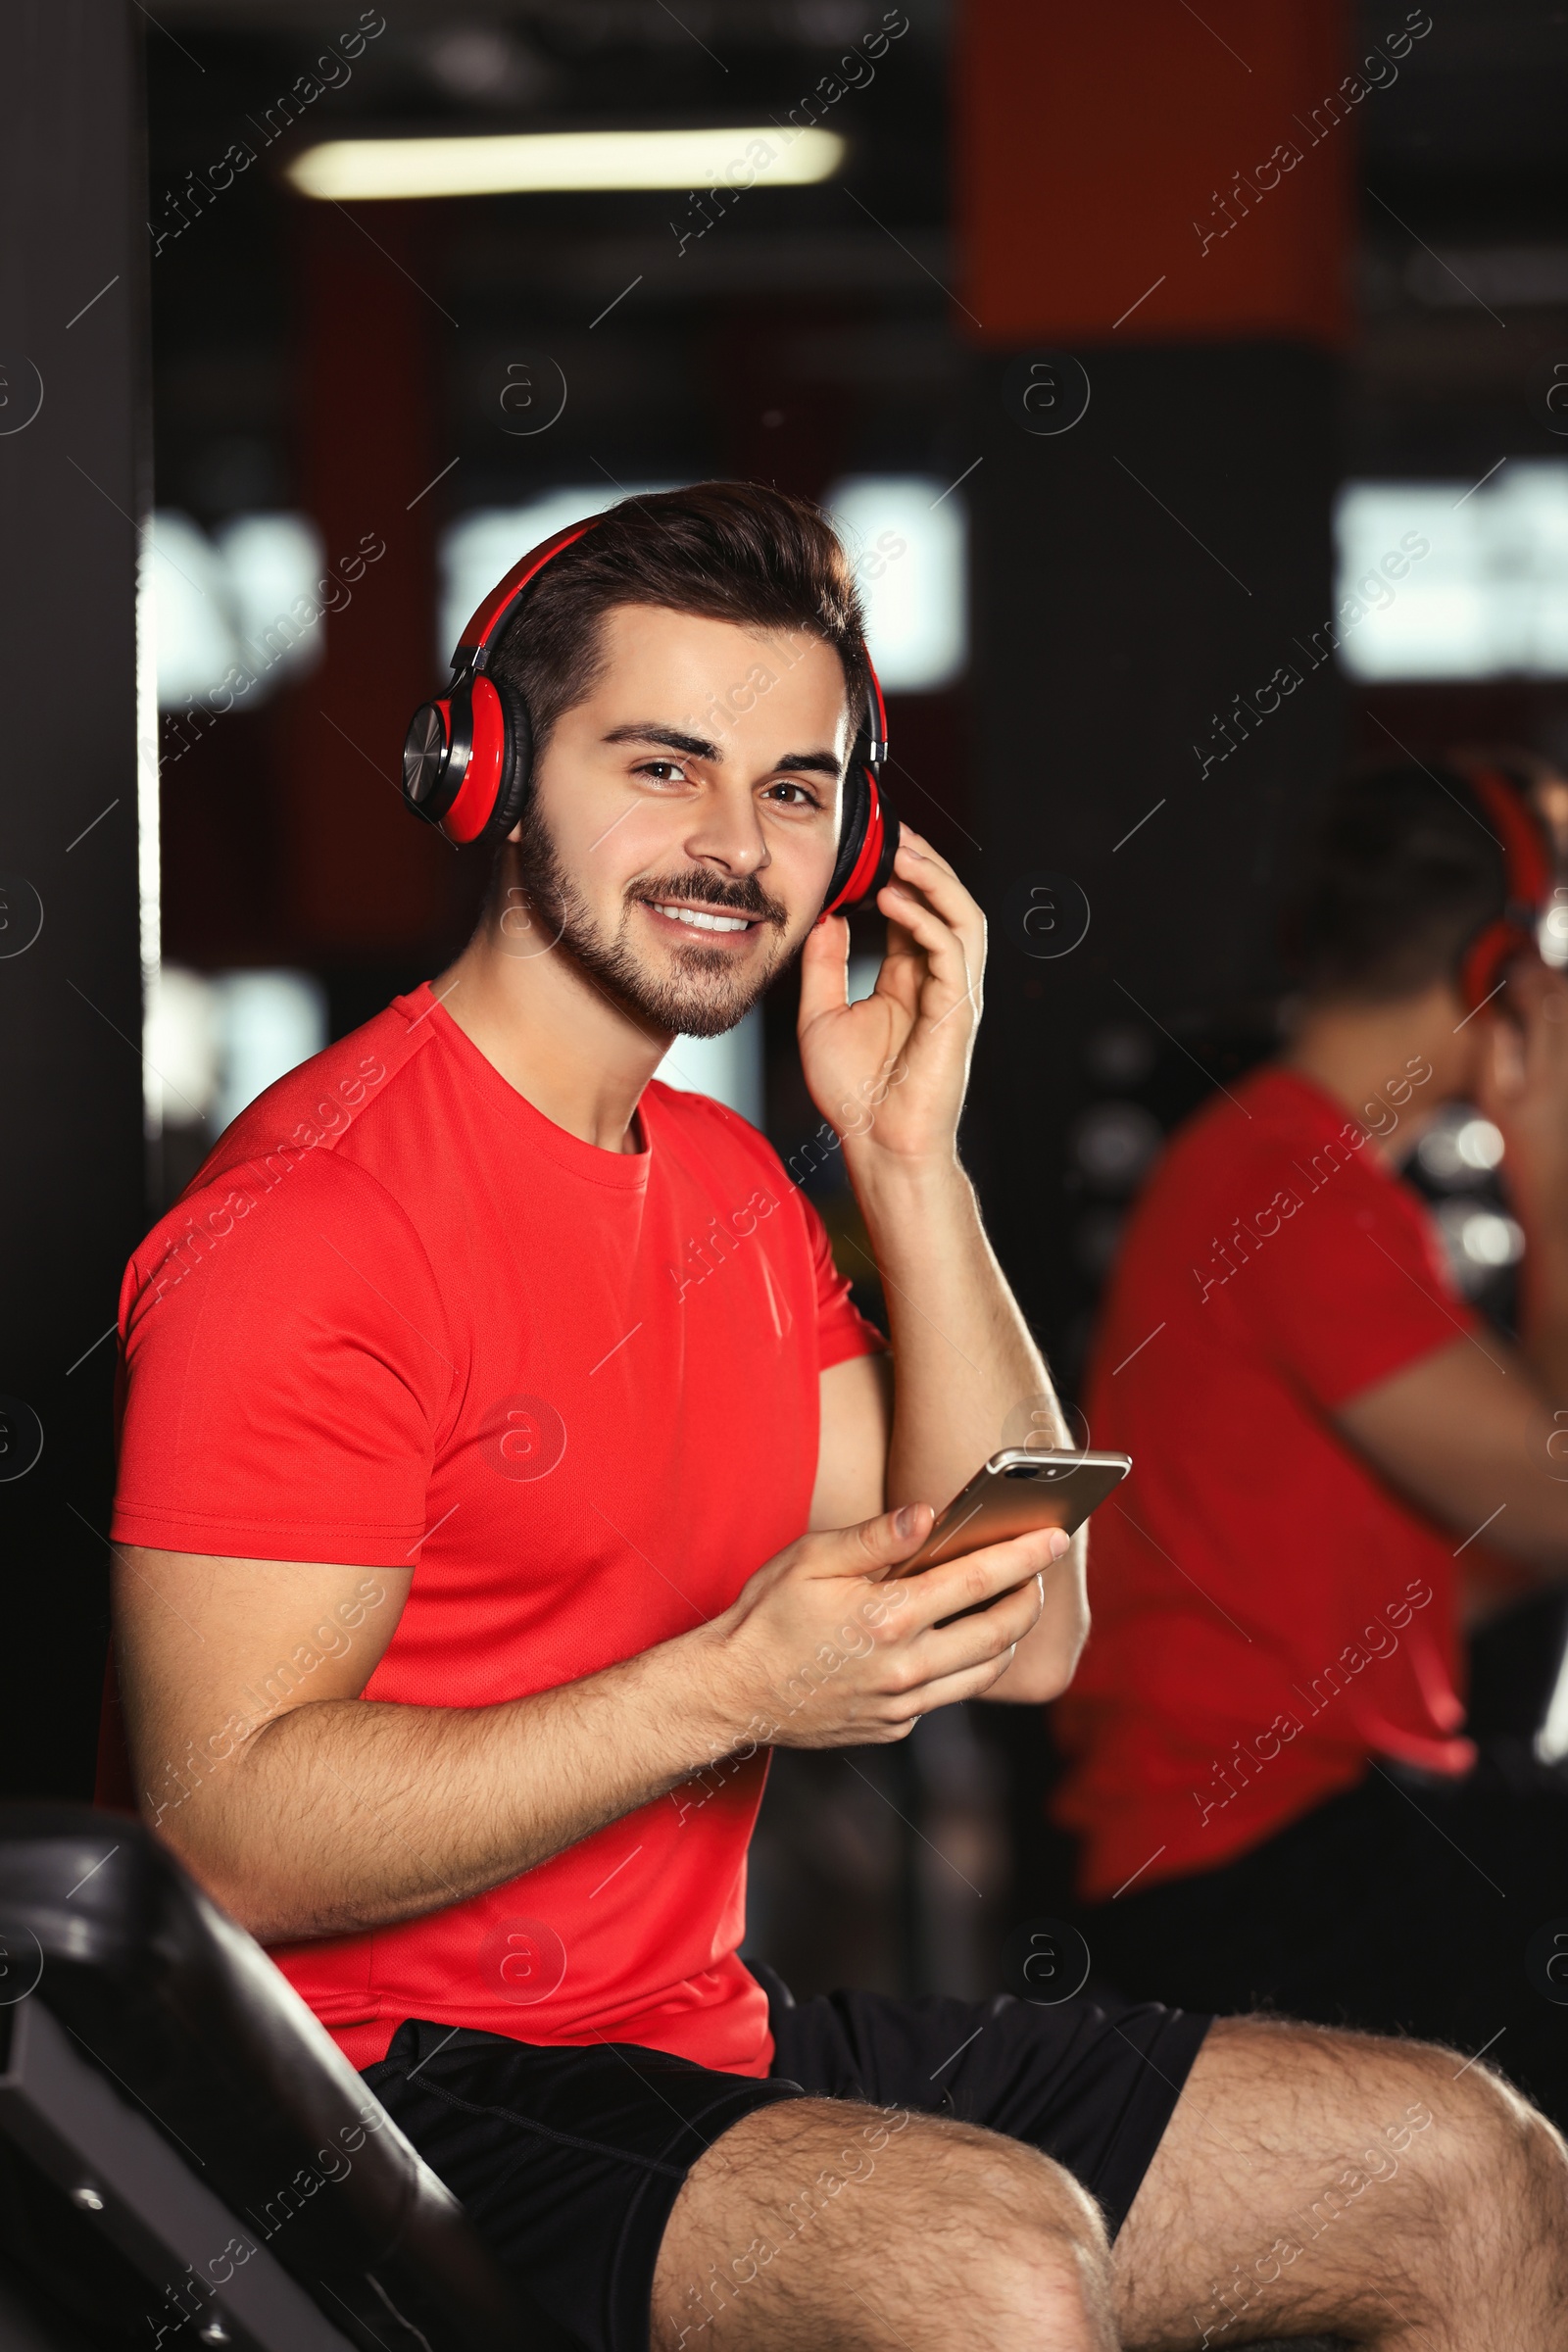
<point>1156,175</point>
<point>1160,194</point>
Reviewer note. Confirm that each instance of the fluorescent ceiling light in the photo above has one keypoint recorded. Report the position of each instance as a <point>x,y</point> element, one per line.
<point>350,170</point>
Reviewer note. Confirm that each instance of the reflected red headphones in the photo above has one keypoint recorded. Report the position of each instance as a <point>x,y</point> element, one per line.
<point>1528,867</point>
<point>468,757</point>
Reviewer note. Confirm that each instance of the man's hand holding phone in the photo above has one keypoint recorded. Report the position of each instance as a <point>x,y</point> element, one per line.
<point>830,1645</point>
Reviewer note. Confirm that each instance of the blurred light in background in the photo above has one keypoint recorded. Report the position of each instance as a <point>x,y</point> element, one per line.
<point>729,162</point>
<point>1479,1145</point>
<point>180,1041</point>
<point>267,1022</point>
<point>905,538</point>
<point>1489,596</point>
<point>213,1044</point>
<point>727,1067</point>
<point>1552,1741</point>
<point>1551,932</point>
<point>1478,1240</point>
<point>1459,1148</point>
<point>1114,1145</point>
<point>194,630</point>
<point>238,599</point>
<point>1119,1054</point>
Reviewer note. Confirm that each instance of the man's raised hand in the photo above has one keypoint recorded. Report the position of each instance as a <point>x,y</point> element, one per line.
<point>893,1069</point>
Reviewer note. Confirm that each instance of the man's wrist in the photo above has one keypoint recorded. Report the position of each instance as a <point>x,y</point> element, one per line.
<point>714,1694</point>
<point>905,1185</point>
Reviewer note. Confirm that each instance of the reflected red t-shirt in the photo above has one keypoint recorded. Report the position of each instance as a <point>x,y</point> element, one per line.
<point>1268,1613</point>
<point>401,1316</point>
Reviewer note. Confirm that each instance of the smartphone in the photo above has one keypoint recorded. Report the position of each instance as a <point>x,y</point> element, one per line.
<point>1017,1490</point>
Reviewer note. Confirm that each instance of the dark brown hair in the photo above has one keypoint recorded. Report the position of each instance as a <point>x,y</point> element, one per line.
<point>728,551</point>
<point>1401,872</point>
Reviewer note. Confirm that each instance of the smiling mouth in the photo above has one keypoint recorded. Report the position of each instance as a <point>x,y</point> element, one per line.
<point>696,918</point>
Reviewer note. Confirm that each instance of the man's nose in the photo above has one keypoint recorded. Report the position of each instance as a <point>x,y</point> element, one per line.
<point>728,836</point>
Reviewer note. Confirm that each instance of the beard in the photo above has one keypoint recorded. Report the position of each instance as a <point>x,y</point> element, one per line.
<point>703,994</point>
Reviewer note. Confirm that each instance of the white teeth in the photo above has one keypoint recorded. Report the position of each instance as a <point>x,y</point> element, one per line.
<point>705,922</point>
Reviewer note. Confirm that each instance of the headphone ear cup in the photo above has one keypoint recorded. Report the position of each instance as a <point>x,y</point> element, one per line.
<point>883,872</point>
<point>867,845</point>
<point>852,833</point>
<point>428,786</point>
<point>517,762</point>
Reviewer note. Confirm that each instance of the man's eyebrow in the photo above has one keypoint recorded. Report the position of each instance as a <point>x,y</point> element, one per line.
<point>697,747</point>
<point>822,764</point>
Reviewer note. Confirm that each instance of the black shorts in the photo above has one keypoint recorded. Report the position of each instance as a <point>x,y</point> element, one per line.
<point>568,2160</point>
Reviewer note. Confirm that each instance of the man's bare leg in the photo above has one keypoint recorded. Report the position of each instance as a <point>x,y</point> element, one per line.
<point>823,2225</point>
<point>1316,2181</point>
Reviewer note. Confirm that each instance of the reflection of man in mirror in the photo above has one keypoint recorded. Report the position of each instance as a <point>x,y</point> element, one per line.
<point>1340,1465</point>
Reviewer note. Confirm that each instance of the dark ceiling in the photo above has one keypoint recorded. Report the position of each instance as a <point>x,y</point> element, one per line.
<point>815,296</point>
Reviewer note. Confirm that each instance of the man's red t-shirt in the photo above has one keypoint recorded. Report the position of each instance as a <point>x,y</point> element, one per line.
<point>400,1317</point>
<point>1268,1613</point>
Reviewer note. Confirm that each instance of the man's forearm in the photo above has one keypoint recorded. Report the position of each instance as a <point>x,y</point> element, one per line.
<point>965,1361</point>
<point>349,1814</point>
<point>968,1380</point>
<point>1544,1292</point>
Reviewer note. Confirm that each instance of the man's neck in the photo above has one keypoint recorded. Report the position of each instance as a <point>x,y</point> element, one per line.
<point>553,1035</point>
<point>1357,1052</point>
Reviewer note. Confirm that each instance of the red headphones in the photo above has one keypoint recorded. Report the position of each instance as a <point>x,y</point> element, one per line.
<point>468,757</point>
<point>1528,868</point>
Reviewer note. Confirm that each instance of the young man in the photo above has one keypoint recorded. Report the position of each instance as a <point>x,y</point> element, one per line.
<point>503,1470</point>
<point>1336,1463</point>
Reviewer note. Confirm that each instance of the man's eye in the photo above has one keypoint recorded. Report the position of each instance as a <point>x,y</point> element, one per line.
<point>804,797</point>
<point>663,772</point>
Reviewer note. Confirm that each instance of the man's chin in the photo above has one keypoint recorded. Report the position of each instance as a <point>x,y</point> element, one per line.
<point>704,996</point>
<point>690,990</point>
<point>687,1004</point>
<point>702,1012</point>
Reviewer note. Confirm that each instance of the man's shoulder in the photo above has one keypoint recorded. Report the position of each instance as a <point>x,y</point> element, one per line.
<point>299,1153</point>
<point>318,1105</point>
<point>1273,1121</point>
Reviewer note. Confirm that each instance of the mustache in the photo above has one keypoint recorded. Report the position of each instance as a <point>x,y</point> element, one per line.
<point>747,897</point>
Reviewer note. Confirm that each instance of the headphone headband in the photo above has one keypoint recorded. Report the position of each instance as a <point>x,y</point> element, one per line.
<point>1527,880</point>
<point>875,722</point>
<point>1526,864</point>
<point>496,610</point>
